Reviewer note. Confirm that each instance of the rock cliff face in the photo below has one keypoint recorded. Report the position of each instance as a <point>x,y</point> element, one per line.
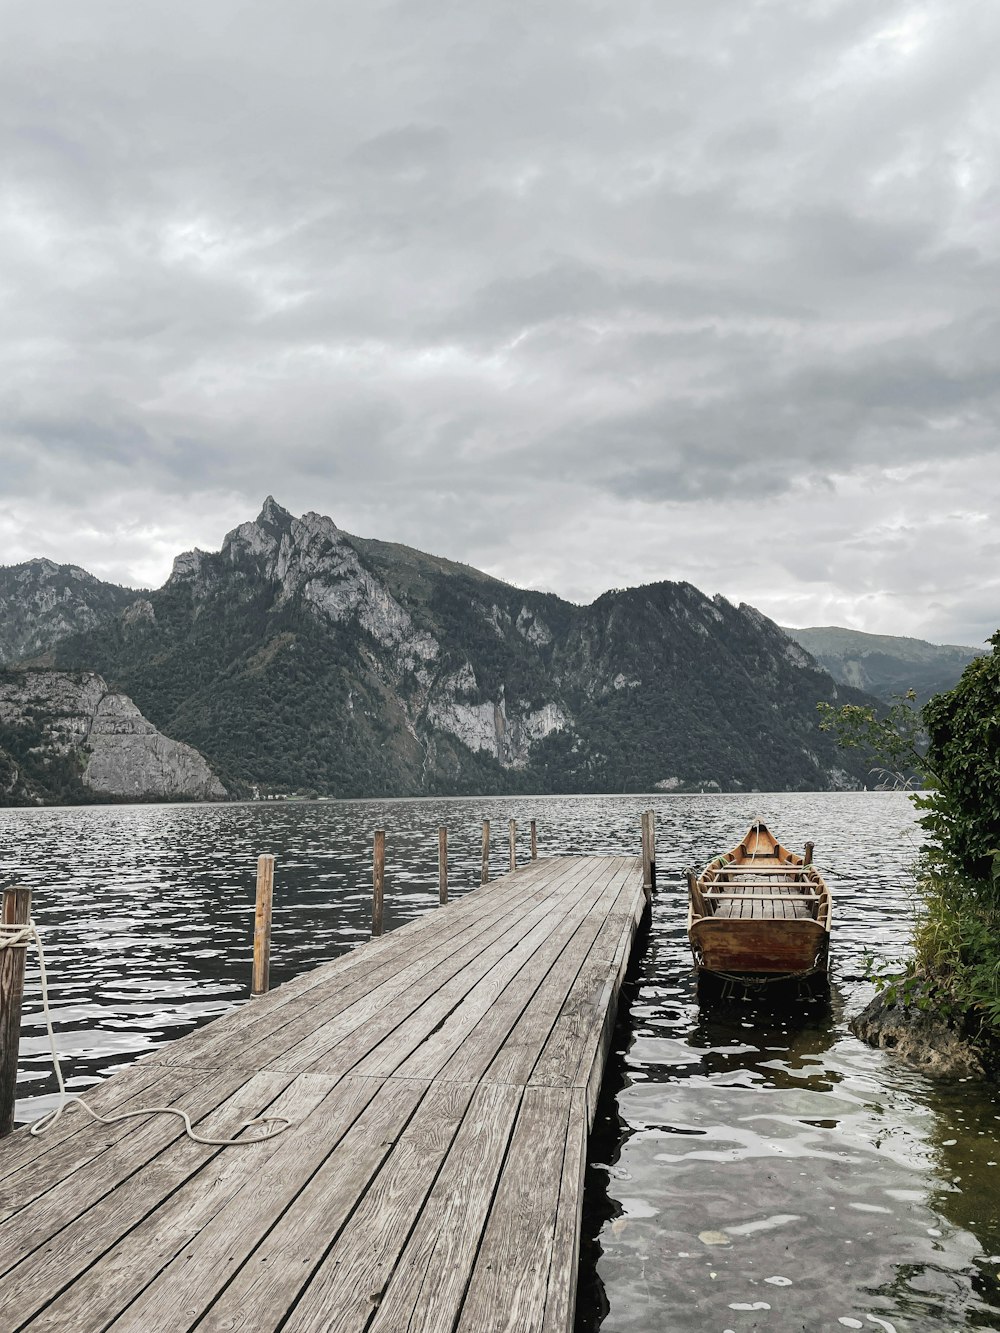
<point>301,657</point>
<point>67,729</point>
<point>41,602</point>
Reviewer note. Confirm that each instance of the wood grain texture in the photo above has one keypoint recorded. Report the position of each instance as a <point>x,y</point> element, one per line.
<point>440,1080</point>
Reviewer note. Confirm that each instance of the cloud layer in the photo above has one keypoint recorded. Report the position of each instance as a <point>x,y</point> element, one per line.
<point>583,294</point>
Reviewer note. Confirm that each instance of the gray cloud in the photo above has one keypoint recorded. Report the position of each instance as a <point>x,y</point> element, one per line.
<point>549,292</point>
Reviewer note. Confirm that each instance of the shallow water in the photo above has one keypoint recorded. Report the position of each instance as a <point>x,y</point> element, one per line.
<point>754,1165</point>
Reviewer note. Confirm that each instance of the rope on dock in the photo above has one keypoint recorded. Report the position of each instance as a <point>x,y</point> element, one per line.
<point>19,937</point>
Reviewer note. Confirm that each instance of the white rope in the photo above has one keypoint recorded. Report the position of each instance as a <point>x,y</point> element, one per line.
<point>19,937</point>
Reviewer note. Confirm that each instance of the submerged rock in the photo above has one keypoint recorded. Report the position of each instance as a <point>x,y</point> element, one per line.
<point>925,1038</point>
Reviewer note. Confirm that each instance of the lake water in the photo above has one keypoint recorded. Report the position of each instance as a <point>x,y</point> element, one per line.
<point>753,1166</point>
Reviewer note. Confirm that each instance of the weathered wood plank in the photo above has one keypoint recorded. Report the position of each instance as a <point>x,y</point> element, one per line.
<point>65,1200</point>
<point>510,1282</point>
<point>518,1056</point>
<point>267,1032</point>
<point>349,1283</point>
<point>454,1027</point>
<point>411,1020</point>
<point>91,1140</point>
<point>190,1246</point>
<point>426,1289</point>
<point>376,958</point>
<point>441,1081</point>
<point>506,1041</point>
<point>264,1289</point>
<point>80,1248</point>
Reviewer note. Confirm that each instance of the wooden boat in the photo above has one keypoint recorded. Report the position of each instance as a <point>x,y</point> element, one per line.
<point>759,910</point>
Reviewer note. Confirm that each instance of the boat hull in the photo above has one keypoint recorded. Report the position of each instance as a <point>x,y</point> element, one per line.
<point>760,910</point>
<point>782,948</point>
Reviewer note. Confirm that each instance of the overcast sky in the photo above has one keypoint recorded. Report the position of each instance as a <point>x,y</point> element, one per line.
<point>584,294</point>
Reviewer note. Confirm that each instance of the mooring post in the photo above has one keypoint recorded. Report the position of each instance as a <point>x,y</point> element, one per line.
<point>262,926</point>
<point>647,855</point>
<point>442,864</point>
<point>807,859</point>
<point>485,877</point>
<point>534,842</point>
<point>651,816</point>
<point>16,911</point>
<point>513,844</point>
<point>378,881</point>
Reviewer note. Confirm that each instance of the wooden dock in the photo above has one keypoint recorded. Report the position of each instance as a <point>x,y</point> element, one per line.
<point>441,1081</point>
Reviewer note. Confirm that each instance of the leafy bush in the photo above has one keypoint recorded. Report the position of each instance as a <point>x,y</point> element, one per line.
<point>962,815</point>
<point>956,940</point>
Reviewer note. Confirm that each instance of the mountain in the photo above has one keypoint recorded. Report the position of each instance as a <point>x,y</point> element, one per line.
<point>301,657</point>
<point>884,665</point>
<point>41,602</point>
<point>66,738</point>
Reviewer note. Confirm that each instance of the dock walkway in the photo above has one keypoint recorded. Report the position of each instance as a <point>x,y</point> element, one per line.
<point>441,1081</point>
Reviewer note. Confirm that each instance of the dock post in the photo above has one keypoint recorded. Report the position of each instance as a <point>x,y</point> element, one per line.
<point>513,844</point>
<point>647,855</point>
<point>378,881</point>
<point>485,877</point>
<point>534,842</point>
<point>651,819</point>
<point>442,865</point>
<point>262,926</point>
<point>16,911</point>
<point>807,859</point>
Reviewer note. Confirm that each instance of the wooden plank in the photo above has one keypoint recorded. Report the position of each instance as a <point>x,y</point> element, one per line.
<point>107,1096</point>
<point>260,1294</point>
<point>560,1298</point>
<point>520,1053</point>
<point>428,1284</point>
<point>531,955</point>
<point>66,1199</point>
<point>348,1285</point>
<point>77,1249</point>
<point>441,1080</point>
<point>183,1253</point>
<point>337,1051</point>
<point>559,1062</point>
<point>510,1283</point>
<point>91,1139</point>
<point>239,1036</point>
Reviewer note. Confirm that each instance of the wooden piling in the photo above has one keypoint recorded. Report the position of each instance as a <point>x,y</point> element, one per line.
<point>534,842</point>
<point>16,911</point>
<point>378,881</point>
<point>651,820</point>
<point>485,877</point>
<point>808,857</point>
<point>442,865</point>
<point>647,855</point>
<point>262,926</point>
<point>513,844</point>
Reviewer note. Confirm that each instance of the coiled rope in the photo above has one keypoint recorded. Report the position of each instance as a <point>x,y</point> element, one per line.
<point>20,937</point>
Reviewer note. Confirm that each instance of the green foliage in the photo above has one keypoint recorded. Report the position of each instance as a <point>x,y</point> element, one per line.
<point>962,816</point>
<point>893,738</point>
<point>955,968</point>
<point>957,943</point>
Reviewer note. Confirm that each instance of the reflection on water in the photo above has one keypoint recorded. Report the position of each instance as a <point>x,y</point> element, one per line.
<point>754,1166</point>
